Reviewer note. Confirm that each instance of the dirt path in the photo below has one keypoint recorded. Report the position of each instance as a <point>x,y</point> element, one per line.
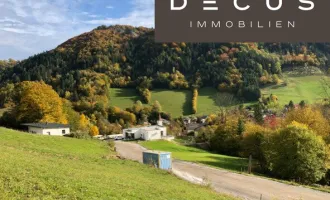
<point>244,186</point>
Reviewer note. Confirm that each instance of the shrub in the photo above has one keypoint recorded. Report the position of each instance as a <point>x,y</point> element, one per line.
<point>81,135</point>
<point>276,79</point>
<point>296,153</point>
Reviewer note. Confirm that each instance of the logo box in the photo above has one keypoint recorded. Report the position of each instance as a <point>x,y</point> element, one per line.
<point>263,21</point>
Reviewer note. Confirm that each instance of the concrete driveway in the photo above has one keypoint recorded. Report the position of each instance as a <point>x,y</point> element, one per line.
<point>243,186</point>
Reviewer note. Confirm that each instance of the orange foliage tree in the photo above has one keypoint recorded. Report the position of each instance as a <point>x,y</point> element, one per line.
<point>94,131</point>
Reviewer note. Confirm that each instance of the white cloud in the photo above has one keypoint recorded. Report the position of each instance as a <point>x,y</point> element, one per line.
<point>33,26</point>
<point>142,14</point>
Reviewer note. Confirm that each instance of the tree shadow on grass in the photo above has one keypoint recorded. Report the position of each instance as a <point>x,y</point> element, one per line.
<point>187,106</point>
<point>130,94</point>
<point>230,163</point>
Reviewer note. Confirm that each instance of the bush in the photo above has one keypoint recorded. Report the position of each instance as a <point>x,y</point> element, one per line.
<point>81,135</point>
<point>225,142</point>
<point>296,153</point>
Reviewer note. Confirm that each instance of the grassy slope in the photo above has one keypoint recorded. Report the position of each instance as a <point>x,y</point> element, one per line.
<point>306,88</point>
<point>199,156</point>
<point>41,167</point>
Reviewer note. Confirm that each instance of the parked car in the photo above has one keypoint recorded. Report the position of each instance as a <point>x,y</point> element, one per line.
<point>119,138</point>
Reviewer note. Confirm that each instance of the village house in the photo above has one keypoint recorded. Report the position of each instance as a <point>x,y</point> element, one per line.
<point>155,132</point>
<point>48,129</point>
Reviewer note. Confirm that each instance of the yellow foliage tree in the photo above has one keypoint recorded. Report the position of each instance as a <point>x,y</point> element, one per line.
<point>83,123</point>
<point>312,118</point>
<point>194,101</point>
<point>39,103</point>
<point>94,131</point>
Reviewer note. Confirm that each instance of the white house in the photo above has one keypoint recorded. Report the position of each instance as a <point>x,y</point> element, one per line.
<point>156,132</point>
<point>48,129</point>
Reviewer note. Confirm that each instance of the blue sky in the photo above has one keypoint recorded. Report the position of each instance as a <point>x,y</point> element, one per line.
<point>28,27</point>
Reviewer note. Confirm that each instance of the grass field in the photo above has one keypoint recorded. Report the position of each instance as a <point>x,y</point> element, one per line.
<point>43,167</point>
<point>206,103</point>
<point>178,102</point>
<point>198,156</point>
<point>307,88</point>
<point>123,97</point>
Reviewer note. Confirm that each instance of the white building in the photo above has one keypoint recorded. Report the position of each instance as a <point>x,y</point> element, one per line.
<point>48,129</point>
<point>156,132</point>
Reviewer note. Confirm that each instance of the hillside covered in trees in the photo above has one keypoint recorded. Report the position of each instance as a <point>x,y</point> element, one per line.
<point>83,69</point>
<point>123,56</point>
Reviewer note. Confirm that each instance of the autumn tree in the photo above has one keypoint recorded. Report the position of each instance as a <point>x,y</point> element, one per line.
<point>296,153</point>
<point>94,131</point>
<point>72,116</point>
<point>194,101</point>
<point>137,107</point>
<point>312,117</point>
<point>83,123</point>
<point>156,107</point>
<point>39,103</point>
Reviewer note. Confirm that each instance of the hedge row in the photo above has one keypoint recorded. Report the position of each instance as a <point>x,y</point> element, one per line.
<point>194,101</point>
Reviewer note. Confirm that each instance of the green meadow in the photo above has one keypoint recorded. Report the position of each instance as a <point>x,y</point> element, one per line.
<point>307,88</point>
<point>44,167</point>
<point>178,102</point>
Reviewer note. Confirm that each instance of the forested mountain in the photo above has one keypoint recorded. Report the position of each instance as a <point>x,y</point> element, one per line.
<point>83,68</point>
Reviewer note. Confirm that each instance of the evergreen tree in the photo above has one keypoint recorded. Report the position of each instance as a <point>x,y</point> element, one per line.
<point>258,115</point>
<point>240,127</point>
<point>302,104</point>
<point>291,105</point>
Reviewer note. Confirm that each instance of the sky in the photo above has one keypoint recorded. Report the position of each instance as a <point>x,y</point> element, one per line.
<point>28,27</point>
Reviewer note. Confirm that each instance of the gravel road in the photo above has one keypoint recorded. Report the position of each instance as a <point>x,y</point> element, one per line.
<point>240,185</point>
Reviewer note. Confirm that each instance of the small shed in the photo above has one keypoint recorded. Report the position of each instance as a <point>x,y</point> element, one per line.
<point>161,160</point>
<point>48,129</point>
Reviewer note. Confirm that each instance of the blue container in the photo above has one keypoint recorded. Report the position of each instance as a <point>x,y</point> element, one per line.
<point>161,160</point>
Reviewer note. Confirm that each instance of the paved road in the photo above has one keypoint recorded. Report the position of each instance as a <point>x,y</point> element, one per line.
<point>243,186</point>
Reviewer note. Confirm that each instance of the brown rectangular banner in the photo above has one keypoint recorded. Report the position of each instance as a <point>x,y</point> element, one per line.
<point>242,21</point>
